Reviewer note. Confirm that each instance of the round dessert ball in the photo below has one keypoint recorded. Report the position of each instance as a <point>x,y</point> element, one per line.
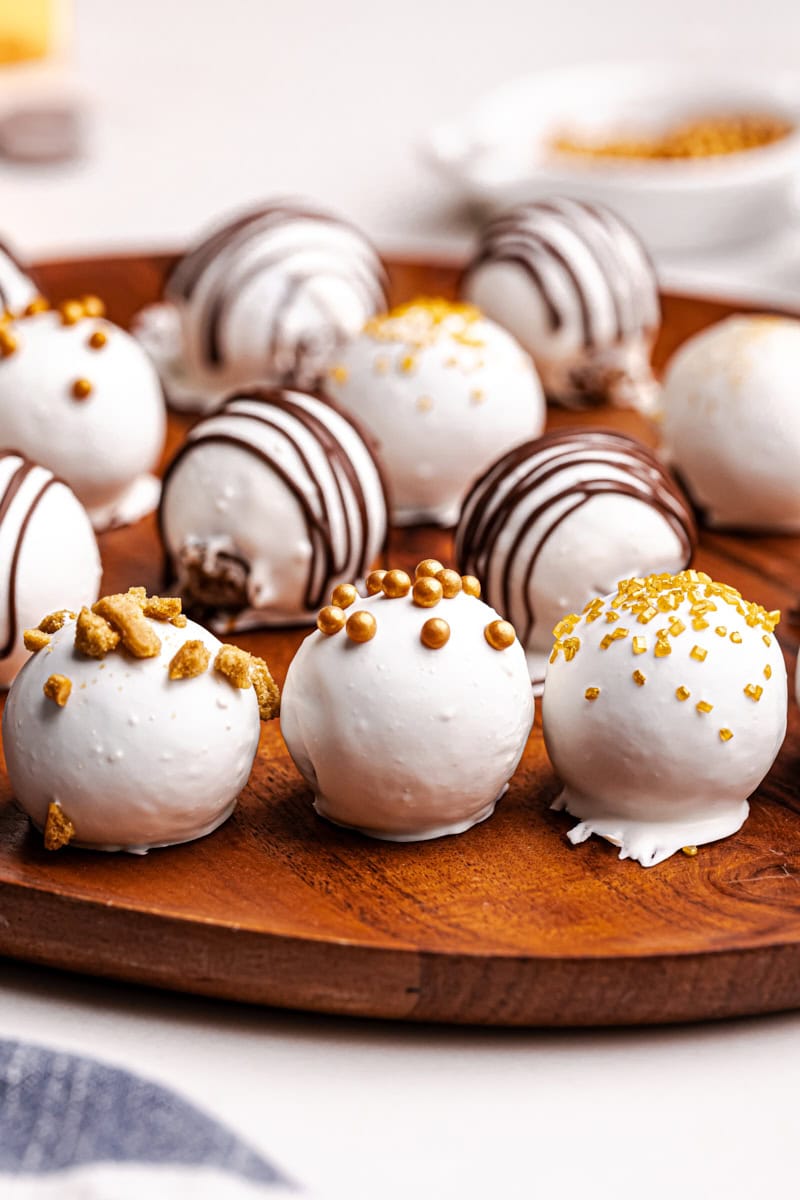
<point>79,395</point>
<point>267,506</point>
<point>664,707</point>
<point>561,519</point>
<point>408,710</point>
<point>17,289</point>
<point>576,287</point>
<point>444,391</point>
<point>48,554</point>
<point>126,731</point>
<point>265,299</point>
<point>730,422</point>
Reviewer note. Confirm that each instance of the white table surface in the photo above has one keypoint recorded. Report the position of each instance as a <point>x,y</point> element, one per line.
<point>199,106</point>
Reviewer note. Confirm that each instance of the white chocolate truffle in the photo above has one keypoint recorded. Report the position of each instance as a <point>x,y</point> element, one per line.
<point>731,425</point>
<point>17,289</point>
<point>444,392</point>
<point>664,707</point>
<point>575,286</point>
<point>80,396</point>
<point>265,300</point>
<point>398,739</point>
<point>561,519</point>
<point>48,554</point>
<point>130,757</point>
<point>268,505</point>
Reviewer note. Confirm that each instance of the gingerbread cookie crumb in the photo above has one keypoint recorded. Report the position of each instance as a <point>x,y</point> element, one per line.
<point>125,614</point>
<point>162,608</point>
<point>94,637</point>
<point>266,689</point>
<point>139,594</point>
<point>34,640</point>
<point>234,664</point>
<point>55,620</point>
<point>58,829</point>
<point>190,660</point>
<point>179,622</point>
<point>57,688</point>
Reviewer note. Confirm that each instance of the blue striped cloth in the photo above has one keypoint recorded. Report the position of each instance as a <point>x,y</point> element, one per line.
<point>72,1128</point>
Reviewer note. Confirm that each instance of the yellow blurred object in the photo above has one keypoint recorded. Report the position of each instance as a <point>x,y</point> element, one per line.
<point>702,138</point>
<point>27,29</point>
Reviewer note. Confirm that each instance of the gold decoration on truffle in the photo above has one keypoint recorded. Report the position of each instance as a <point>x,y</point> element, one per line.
<point>190,660</point>
<point>766,639</point>
<point>266,689</point>
<point>124,614</point>
<point>591,693</point>
<point>374,582</point>
<point>71,312</point>
<point>361,626</point>
<point>501,634</point>
<point>97,340</point>
<point>768,671</point>
<point>57,688</point>
<point>616,635</point>
<point>235,664</point>
<point>639,679</point>
<point>8,343</point>
<point>682,693</point>
<point>331,620</point>
<point>94,636</point>
<point>689,851</point>
<point>698,653</point>
<point>450,581</point>
<point>396,584</point>
<point>427,592</point>
<point>471,585</point>
<point>339,373</point>
<point>721,631</point>
<point>344,595</point>
<point>753,691</point>
<point>423,322</point>
<point>736,638</point>
<point>435,633</point>
<point>81,389</point>
<point>639,645</point>
<point>159,608</point>
<point>92,306</point>
<point>725,735</point>
<point>35,639</point>
<point>428,566</point>
<point>58,829</point>
<point>703,706</point>
<point>55,620</point>
<point>37,305</point>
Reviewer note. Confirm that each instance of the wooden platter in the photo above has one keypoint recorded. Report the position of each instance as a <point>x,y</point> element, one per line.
<point>506,925</point>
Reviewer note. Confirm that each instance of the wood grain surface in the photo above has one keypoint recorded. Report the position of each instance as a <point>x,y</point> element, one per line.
<point>507,924</point>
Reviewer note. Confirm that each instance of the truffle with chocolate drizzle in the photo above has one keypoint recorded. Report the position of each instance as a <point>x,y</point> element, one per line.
<point>663,709</point>
<point>266,299</point>
<point>577,289</point>
<point>269,504</point>
<point>132,727</point>
<point>561,519</point>
<point>408,709</point>
<point>48,553</point>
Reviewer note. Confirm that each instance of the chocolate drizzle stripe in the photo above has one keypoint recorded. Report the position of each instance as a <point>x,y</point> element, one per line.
<point>488,506</point>
<point>12,490</point>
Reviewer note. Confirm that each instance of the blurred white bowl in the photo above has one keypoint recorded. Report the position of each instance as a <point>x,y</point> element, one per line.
<point>500,152</point>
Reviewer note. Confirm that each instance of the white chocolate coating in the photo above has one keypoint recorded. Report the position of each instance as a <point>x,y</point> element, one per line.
<point>444,392</point>
<point>263,526</point>
<point>642,767</point>
<point>103,446</point>
<point>134,759</point>
<point>576,288</point>
<point>731,425</point>
<point>16,288</point>
<point>265,300</point>
<point>48,555</point>
<point>560,520</point>
<point>402,742</point>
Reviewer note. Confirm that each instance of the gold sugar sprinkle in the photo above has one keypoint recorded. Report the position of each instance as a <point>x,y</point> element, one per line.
<point>611,617</point>
<point>768,671</point>
<point>407,363</point>
<point>477,396</point>
<point>638,678</point>
<point>721,630</point>
<point>592,693</point>
<point>766,639</point>
<point>57,688</point>
<point>639,645</point>
<point>570,647</point>
<point>682,693</point>
<point>676,627</point>
<point>8,343</point>
<point>736,638</point>
<point>754,691</point>
<point>725,735</point>
<point>699,623</point>
<point>698,653</point>
<point>424,404</point>
<point>615,635</point>
<point>339,373</point>
<point>703,706</point>
<point>689,851</point>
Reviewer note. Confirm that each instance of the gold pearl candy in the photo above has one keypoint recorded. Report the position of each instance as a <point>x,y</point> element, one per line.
<point>428,566</point>
<point>71,312</point>
<point>93,306</point>
<point>361,626</point>
<point>375,582</point>
<point>396,584</point>
<point>344,595</point>
<point>97,340</point>
<point>81,388</point>
<point>427,591</point>
<point>435,633</point>
<point>470,585</point>
<point>499,634</point>
<point>8,343</point>
<point>39,305</point>
<point>330,620</point>
<point>451,583</point>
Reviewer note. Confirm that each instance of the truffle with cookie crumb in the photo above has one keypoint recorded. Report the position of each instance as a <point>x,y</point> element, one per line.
<point>48,556</point>
<point>408,712</point>
<point>93,410</point>
<point>444,391</point>
<point>664,707</point>
<point>127,730</point>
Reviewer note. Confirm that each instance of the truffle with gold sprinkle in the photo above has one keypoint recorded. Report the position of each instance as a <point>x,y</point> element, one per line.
<point>408,710</point>
<point>444,391</point>
<point>131,727</point>
<point>662,723</point>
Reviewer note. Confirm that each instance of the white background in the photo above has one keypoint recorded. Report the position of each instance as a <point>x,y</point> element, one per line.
<point>198,106</point>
